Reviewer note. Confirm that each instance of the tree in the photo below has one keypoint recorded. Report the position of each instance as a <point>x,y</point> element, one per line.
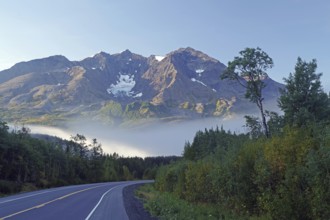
<point>303,100</point>
<point>275,122</point>
<point>23,132</point>
<point>96,149</point>
<point>80,147</point>
<point>249,70</point>
<point>253,125</point>
<point>3,128</point>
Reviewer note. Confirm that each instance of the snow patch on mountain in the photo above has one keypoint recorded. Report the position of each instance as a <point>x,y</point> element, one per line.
<point>195,80</point>
<point>123,86</point>
<point>159,58</point>
<point>199,72</point>
<point>138,95</point>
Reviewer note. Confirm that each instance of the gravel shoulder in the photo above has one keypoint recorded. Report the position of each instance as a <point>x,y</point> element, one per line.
<point>133,205</point>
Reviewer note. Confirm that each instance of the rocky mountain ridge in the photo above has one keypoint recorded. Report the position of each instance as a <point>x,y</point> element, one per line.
<point>123,87</point>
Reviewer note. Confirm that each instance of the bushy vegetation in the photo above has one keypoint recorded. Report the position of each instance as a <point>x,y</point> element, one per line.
<point>279,174</point>
<point>168,206</point>
<point>28,163</point>
<point>285,177</point>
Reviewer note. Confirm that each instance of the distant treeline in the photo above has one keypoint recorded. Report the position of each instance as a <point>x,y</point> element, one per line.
<point>28,163</point>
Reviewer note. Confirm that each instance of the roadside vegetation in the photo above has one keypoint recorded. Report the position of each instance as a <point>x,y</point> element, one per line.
<point>28,163</point>
<point>280,169</point>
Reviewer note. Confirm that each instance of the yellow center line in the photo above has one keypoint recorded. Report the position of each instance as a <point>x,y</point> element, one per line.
<point>46,203</point>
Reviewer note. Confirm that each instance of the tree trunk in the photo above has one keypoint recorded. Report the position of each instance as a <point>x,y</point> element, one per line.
<point>263,118</point>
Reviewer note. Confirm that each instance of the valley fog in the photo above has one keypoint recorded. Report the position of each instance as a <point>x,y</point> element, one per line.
<point>159,139</point>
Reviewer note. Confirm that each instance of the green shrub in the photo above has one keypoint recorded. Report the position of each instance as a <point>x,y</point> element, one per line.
<point>168,206</point>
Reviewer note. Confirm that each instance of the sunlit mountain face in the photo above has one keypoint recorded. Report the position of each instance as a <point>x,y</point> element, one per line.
<point>124,89</point>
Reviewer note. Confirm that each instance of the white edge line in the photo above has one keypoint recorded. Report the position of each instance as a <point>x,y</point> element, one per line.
<point>91,213</point>
<point>36,193</point>
<point>11,200</point>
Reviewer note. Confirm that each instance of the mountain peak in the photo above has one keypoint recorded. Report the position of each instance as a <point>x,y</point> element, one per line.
<point>189,51</point>
<point>101,54</point>
<point>126,52</point>
<point>51,62</point>
<point>54,58</point>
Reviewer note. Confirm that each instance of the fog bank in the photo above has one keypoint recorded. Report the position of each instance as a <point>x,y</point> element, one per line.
<point>160,139</point>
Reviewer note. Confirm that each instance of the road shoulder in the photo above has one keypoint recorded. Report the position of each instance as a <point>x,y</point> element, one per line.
<point>133,205</point>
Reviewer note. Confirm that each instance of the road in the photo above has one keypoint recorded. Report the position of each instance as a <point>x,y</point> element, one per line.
<point>89,201</point>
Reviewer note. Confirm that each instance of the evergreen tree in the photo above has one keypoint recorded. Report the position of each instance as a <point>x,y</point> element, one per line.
<point>275,122</point>
<point>303,99</point>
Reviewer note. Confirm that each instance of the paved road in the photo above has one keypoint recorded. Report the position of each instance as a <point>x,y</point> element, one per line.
<point>90,201</point>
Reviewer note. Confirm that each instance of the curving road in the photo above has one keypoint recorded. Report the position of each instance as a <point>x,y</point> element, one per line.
<point>90,201</point>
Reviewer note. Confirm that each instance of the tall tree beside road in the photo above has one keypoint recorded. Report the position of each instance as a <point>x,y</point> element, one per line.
<point>249,69</point>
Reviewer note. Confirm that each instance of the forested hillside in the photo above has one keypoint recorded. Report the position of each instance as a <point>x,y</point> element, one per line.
<point>28,163</point>
<point>282,174</point>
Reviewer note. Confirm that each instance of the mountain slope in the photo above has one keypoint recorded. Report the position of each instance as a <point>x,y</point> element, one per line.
<point>185,84</point>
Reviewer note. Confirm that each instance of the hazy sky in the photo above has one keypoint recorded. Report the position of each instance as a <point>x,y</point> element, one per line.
<point>285,29</point>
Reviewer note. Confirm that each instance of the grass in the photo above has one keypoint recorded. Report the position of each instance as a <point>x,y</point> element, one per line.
<point>168,206</point>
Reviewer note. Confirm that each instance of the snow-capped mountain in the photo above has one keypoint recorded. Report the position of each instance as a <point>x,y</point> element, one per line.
<point>183,84</point>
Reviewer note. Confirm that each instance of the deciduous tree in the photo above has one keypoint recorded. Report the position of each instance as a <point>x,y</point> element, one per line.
<point>249,69</point>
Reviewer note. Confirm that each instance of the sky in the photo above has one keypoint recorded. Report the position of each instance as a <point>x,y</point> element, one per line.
<point>285,29</point>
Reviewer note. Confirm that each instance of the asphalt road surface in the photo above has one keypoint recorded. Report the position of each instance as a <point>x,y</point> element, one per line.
<point>90,201</point>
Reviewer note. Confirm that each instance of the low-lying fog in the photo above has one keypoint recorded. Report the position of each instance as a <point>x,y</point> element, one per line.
<point>160,139</point>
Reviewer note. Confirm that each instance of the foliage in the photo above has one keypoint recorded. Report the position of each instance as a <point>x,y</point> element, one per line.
<point>303,100</point>
<point>249,69</point>
<point>275,123</point>
<point>210,142</point>
<point>168,206</point>
<point>283,177</point>
<point>253,124</point>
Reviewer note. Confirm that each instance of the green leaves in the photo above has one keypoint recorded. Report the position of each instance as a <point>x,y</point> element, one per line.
<point>249,70</point>
<point>254,126</point>
<point>303,100</point>
<point>251,66</point>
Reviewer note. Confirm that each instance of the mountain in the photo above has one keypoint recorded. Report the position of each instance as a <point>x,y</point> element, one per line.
<point>123,87</point>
